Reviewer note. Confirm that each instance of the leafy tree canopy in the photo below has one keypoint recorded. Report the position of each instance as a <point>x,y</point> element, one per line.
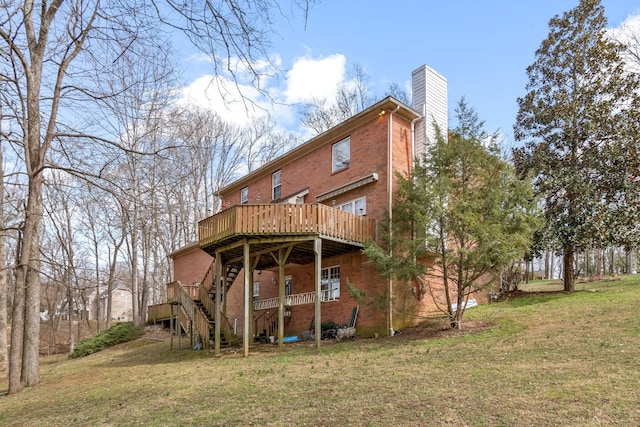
<point>460,216</point>
<point>579,124</point>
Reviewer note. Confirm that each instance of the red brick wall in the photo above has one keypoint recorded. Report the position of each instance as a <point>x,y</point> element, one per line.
<point>369,154</point>
<point>353,269</point>
<point>369,146</point>
<point>191,265</point>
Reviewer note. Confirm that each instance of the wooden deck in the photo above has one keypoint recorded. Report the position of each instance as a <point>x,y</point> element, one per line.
<point>244,221</point>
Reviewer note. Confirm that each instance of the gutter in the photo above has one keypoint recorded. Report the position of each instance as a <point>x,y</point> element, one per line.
<point>390,192</point>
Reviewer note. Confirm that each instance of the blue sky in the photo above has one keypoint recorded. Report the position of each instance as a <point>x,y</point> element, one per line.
<point>481,47</point>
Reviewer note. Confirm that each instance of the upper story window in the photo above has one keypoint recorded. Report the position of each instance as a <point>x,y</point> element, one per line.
<point>244,196</point>
<point>357,206</point>
<point>340,155</point>
<point>276,185</point>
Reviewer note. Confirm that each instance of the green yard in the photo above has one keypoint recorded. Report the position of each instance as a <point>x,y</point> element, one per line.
<point>546,359</point>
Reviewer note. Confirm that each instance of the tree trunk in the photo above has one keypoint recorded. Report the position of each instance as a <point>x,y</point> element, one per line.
<point>70,319</point>
<point>569,280</point>
<point>113,261</point>
<point>17,328</point>
<point>612,262</point>
<point>134,270</point>
<point>31,257</point>
<point>587,263</point>
<point>97,267</point>
<point>4,285</point>
<point>546,265</point>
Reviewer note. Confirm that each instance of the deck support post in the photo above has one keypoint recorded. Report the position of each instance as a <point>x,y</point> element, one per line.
<point>217,315</point>
<point>317,249</point>
<point>248,296</point>
<point>281,262</point>
<point>171,328</point>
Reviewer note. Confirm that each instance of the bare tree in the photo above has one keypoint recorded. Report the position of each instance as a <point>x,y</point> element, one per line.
<point>4,355</point>
<point>49,53</point>
<point>63,262</point>
<point>351,97</point>
<point>90,221</point>
<point>628,35</point>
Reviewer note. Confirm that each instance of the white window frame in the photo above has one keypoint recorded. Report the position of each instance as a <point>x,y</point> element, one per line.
<point>330,283</point>
<point>356,206</point>
<point>276,185</point>
<point>256,291</point>
<point>287,286</point>
<point>341,155</point>
<point>244,196</point>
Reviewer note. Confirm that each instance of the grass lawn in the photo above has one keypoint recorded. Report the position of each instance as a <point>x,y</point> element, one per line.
<point>546,359</point>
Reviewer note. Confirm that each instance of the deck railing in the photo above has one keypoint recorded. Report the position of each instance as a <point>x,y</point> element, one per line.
<point>295,299</point>
<point>278,219</point>
<point>177,293</point>
<point>158,312</point>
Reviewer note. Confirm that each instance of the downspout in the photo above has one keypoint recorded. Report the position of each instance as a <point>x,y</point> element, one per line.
<point>390,192</point>
<point>413,142</point>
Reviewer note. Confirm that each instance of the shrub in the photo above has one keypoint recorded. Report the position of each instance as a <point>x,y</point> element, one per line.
<point>120,332</point>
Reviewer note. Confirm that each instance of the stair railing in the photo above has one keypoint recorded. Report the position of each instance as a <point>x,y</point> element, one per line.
<point>209,277</point>
<point>209,304</point>
<point>201,323</point>
<point>226,329</point>
<point>269,322</point>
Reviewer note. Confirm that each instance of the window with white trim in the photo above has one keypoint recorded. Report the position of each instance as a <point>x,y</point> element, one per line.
<point>341,155</point>
<point>244,196</point>
<point>357,206</point>
<point>287,285</point>
<point>330,283</point>
<point>276,185</point>
<point>256,291</point>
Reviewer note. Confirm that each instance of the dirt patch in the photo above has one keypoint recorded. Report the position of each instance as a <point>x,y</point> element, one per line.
<point>156,333</point>
<point>526,294</point>
<point>430,329</point>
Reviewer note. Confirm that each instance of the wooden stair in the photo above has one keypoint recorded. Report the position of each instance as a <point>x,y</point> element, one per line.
<point>224,341</point>
<point>196,308</point>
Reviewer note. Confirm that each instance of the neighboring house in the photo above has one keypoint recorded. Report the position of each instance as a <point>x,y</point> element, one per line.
<point>287,244</point>
<point>121,308</point>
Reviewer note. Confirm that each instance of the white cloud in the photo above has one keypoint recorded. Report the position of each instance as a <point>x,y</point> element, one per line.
<point>238,101</point>
<point>311,78</point>
<point>628,33</point>
<point>234,102</point>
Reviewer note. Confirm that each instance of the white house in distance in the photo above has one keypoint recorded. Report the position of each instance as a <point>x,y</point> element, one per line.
<point>121,309</point>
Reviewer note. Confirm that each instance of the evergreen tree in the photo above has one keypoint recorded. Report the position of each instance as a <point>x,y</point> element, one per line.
<point>579,123</point>
<point>459,218</point>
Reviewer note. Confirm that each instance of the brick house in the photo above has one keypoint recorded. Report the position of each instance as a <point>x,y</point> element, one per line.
<point>286,246</point>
